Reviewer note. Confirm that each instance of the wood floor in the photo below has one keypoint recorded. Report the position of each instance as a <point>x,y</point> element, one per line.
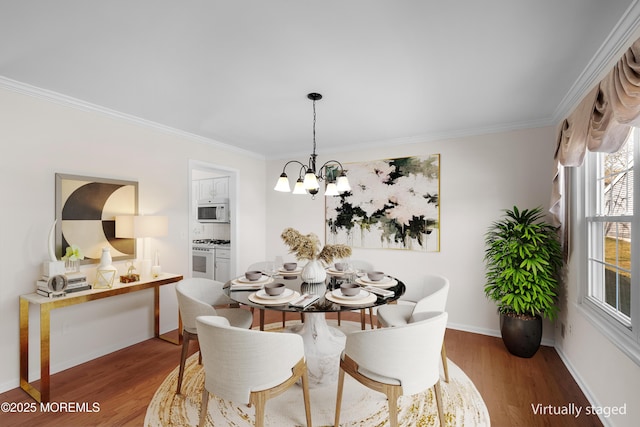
<point>123,383</point>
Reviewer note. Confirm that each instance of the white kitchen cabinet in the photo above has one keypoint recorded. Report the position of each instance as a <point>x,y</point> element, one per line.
<point>213,188</point>
<point>205,189</point>
<point>221,187</point>
<point>223,265</point>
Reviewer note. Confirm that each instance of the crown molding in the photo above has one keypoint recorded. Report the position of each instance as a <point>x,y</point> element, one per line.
<point>608,52</point>
<point>67,101</point>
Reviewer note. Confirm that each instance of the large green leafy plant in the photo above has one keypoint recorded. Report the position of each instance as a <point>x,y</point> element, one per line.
<point>523,258</point>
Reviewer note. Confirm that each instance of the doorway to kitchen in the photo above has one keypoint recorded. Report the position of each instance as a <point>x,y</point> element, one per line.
<point>212,220</point>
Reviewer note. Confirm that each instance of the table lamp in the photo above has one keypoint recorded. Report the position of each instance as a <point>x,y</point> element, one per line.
<point>144,227</point>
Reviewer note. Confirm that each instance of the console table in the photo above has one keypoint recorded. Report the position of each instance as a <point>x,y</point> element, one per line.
<point>47,304</point>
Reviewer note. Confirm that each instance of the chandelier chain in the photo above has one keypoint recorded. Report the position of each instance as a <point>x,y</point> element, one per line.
<point>314,126</point>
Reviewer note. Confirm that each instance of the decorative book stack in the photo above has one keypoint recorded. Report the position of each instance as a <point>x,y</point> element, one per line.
<point>61,284</point>
<point>77,282</point>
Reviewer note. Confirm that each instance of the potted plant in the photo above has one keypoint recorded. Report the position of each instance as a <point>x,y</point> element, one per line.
<point>523,259</point>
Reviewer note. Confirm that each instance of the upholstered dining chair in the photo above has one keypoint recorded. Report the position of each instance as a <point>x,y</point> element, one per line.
<point>197,297</point>
<point>363,267</point>
<point>429,296</point>
<point>394,362</point>
<point>248,366</point>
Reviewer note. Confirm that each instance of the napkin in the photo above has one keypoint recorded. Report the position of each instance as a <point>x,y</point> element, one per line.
<point>304,300</point>
<point>246,286</point>
<point>382,292</point>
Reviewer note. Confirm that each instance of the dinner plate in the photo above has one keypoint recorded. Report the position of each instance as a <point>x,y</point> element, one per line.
<point>361,295</point>
<point>236,286</point>
<point>244,280</point>
<point>273,301</point>
<point>379,284</point>
<point>369,299</point>
<point>284,272</point>
<point>335,272</point>
<point>262,294</point>
<point>382,281</point>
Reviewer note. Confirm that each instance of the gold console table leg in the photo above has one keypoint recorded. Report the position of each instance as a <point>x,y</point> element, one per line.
<point>42,395</point>
<point>45,324</point>
<point>156,320</point>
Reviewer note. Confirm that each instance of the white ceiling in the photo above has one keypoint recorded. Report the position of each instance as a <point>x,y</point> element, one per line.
<point>238,72</point>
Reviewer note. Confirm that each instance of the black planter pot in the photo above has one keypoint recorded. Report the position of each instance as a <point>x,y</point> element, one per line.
<point>521,335</point>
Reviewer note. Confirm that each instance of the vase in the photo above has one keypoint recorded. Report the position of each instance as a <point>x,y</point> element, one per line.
<point>106,263</point>
<point>521,334</point>
<point>72,266</point>
<point>319,288</point>
<point>155,268</point>
<point>314,272</point>
<point>106,272</point>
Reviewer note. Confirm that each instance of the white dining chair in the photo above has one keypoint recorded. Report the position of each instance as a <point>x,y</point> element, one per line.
<point>361,266</point>
<point>431,295</point>
<point>249,366</point>
<point>197,297</point>
<point>394,362</point>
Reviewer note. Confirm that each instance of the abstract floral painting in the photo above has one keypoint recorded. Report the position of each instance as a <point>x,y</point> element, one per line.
<point>393,204</point>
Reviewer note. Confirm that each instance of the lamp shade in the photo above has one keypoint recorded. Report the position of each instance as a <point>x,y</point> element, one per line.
<point>311,181</point>
<point>299,188</point>
<point>332,190</point>
<point>343,184</point>
<point>283,184</point>
<point>134,226</point>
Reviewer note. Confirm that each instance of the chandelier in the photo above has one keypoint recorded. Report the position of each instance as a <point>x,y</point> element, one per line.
<point>309,177</point>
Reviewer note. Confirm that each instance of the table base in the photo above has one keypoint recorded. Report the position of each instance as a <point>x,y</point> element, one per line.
<point>323,346</point>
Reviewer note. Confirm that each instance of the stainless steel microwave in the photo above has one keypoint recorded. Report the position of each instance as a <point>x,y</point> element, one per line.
<point>216,210</point>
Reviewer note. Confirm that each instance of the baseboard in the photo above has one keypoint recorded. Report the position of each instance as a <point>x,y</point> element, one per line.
<point>585,390</point>
<point>9,385</point>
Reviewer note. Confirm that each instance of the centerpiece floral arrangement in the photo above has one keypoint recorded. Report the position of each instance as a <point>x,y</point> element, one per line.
<point>308,247</point>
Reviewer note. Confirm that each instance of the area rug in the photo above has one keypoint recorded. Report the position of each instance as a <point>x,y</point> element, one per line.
<point>463,405</point>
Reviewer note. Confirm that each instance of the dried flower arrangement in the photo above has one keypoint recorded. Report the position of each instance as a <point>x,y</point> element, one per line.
<point>308,247</point>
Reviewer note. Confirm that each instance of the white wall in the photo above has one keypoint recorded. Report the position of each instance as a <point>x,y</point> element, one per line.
<point>480,176</point>
<point>39,138</point>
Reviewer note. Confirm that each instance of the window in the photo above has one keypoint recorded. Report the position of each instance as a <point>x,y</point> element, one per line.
<point>610,220</point>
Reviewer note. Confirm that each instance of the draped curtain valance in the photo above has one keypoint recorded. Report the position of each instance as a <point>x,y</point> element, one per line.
<point>601,122</point>
<point>603,119</point>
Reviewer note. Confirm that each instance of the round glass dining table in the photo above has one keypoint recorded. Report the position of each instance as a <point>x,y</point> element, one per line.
<point>323,343</point>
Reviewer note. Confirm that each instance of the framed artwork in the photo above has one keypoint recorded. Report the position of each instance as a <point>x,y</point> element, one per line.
<point>85,215</point>
<point>393,204</point>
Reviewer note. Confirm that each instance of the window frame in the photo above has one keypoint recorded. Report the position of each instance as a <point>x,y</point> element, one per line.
<point>625,334</point>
